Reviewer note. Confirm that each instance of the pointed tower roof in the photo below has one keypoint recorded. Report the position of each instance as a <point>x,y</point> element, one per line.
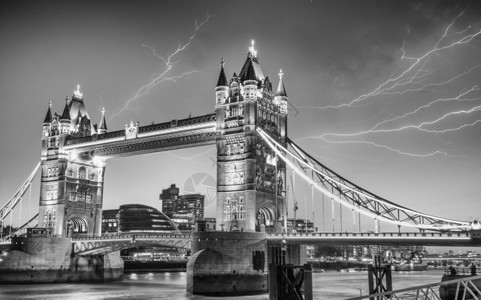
<point>250,73</point>
<point>66,113</point>
<point>48,117</point>
<point>251,69</point>
<point>281,90</point>
<point>222,78</point>
<point>103,123</point>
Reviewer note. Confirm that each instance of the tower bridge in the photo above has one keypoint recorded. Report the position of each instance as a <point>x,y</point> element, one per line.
<point>254,159</point>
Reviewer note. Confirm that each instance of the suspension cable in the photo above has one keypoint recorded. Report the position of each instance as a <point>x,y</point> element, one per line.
<point>29,201</point>
<point>11,222</point>
<point>312,204</point>
<point>20,213</point>
<point>305,205</point>
<point>356,189</point>
<point>368,212</point>
<point>323,213</point>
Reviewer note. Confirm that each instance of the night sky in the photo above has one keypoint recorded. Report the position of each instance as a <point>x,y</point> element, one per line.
<point>337,57</point>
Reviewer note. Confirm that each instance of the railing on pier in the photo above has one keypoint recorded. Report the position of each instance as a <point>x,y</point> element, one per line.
<point>463,289</point>
<point>287,281</point>
<point>290,282</point>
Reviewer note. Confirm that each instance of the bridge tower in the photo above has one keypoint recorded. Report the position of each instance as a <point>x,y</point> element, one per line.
<point>250,178</point>
<point>71,183</point>
<point>250,185</point>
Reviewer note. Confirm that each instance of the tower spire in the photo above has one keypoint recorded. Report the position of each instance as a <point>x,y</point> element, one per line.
<point>252,50</point>
<point>103,124</point>
<point>222,78</point>
<point>77,94</point>
<point>66,113</point>
<point>281,90</point>
<point>48,117</point>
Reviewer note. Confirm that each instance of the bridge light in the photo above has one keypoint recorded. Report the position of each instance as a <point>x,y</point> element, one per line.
<point>73,155</point>
<point>98,161</point>
<point>77,93</point>
<point>283,245</point>
<point>475,225</point>
<point>271,159</point>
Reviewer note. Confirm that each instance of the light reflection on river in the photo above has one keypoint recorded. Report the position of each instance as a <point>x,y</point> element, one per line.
<point>171,286</point>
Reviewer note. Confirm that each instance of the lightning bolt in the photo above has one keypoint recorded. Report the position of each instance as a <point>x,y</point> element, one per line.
<point>418,155</point>
<point>412,76</point>
<point>163,76</point>
<point>415,65</point>
<point>375,129</point>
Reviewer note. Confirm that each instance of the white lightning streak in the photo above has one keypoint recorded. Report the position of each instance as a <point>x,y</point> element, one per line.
<point>376,129</point>
<point>162,77</point>
<point>411,77</point>
<point>415,63</point>
<point>442,152</point>
<point>417,127</point>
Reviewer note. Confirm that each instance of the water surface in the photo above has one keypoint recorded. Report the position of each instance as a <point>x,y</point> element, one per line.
<point>171,286</point>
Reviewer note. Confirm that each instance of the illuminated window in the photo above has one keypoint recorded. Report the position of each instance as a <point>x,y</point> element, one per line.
<point>82,173</point>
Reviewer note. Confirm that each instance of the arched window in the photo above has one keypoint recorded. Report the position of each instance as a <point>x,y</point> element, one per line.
<point>82,173</point>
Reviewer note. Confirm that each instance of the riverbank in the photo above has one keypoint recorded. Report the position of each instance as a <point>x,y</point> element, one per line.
<point>131,266</point>
<point>338,265</point>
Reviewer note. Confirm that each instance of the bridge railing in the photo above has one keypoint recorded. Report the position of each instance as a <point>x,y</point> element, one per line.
<point>465,288</point>
<point>371,234</point>
<point>130,235</point>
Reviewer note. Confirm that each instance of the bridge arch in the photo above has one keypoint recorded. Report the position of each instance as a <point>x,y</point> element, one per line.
<point>266,215</point>
<point>77,224</point>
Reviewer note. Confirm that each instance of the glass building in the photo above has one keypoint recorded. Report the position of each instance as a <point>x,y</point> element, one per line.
<point>136,218</point>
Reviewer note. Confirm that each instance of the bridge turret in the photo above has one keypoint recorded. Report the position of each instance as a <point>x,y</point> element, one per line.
<point>222,88</point>
<point>281,100</point>
<point>103,124</point>
<point>47,122</point>
<point>65,119</point>
<point>251,75</point>
<point>80,123</point>
<point>281,97</point>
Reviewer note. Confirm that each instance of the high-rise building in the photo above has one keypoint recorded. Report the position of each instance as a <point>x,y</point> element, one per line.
<point>184,210</point>
<point>169,199</point>
<point>110,220</point>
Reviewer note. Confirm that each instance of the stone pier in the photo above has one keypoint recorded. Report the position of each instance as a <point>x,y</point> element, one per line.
<point>227,263</point>
<point>51,259</point>
<point>233,263</point>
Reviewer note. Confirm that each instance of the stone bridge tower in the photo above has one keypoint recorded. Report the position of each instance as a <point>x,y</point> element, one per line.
<point>251,180</point>
<point>71,187</point>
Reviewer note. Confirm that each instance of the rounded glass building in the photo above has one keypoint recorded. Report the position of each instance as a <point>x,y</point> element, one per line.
<point>137,218</point>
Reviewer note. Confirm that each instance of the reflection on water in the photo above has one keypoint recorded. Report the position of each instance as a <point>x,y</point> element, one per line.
<point>170,286</point>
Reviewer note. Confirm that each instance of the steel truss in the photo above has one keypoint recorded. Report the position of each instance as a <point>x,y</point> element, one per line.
<point>107,244</point>
<point>353,196</point>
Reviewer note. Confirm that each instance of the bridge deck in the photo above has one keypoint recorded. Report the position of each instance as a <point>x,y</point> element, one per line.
<point>386,238</point>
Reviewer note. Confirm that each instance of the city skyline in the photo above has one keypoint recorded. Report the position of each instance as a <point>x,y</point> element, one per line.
<point>333,57</point>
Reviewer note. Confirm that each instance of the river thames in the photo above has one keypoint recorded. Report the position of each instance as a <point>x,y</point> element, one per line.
<point>171,286</point>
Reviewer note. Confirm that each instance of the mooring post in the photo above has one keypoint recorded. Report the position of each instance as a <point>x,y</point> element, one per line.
<point>273,275</point>
<point>376,276</point>
<point>308,282</point>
